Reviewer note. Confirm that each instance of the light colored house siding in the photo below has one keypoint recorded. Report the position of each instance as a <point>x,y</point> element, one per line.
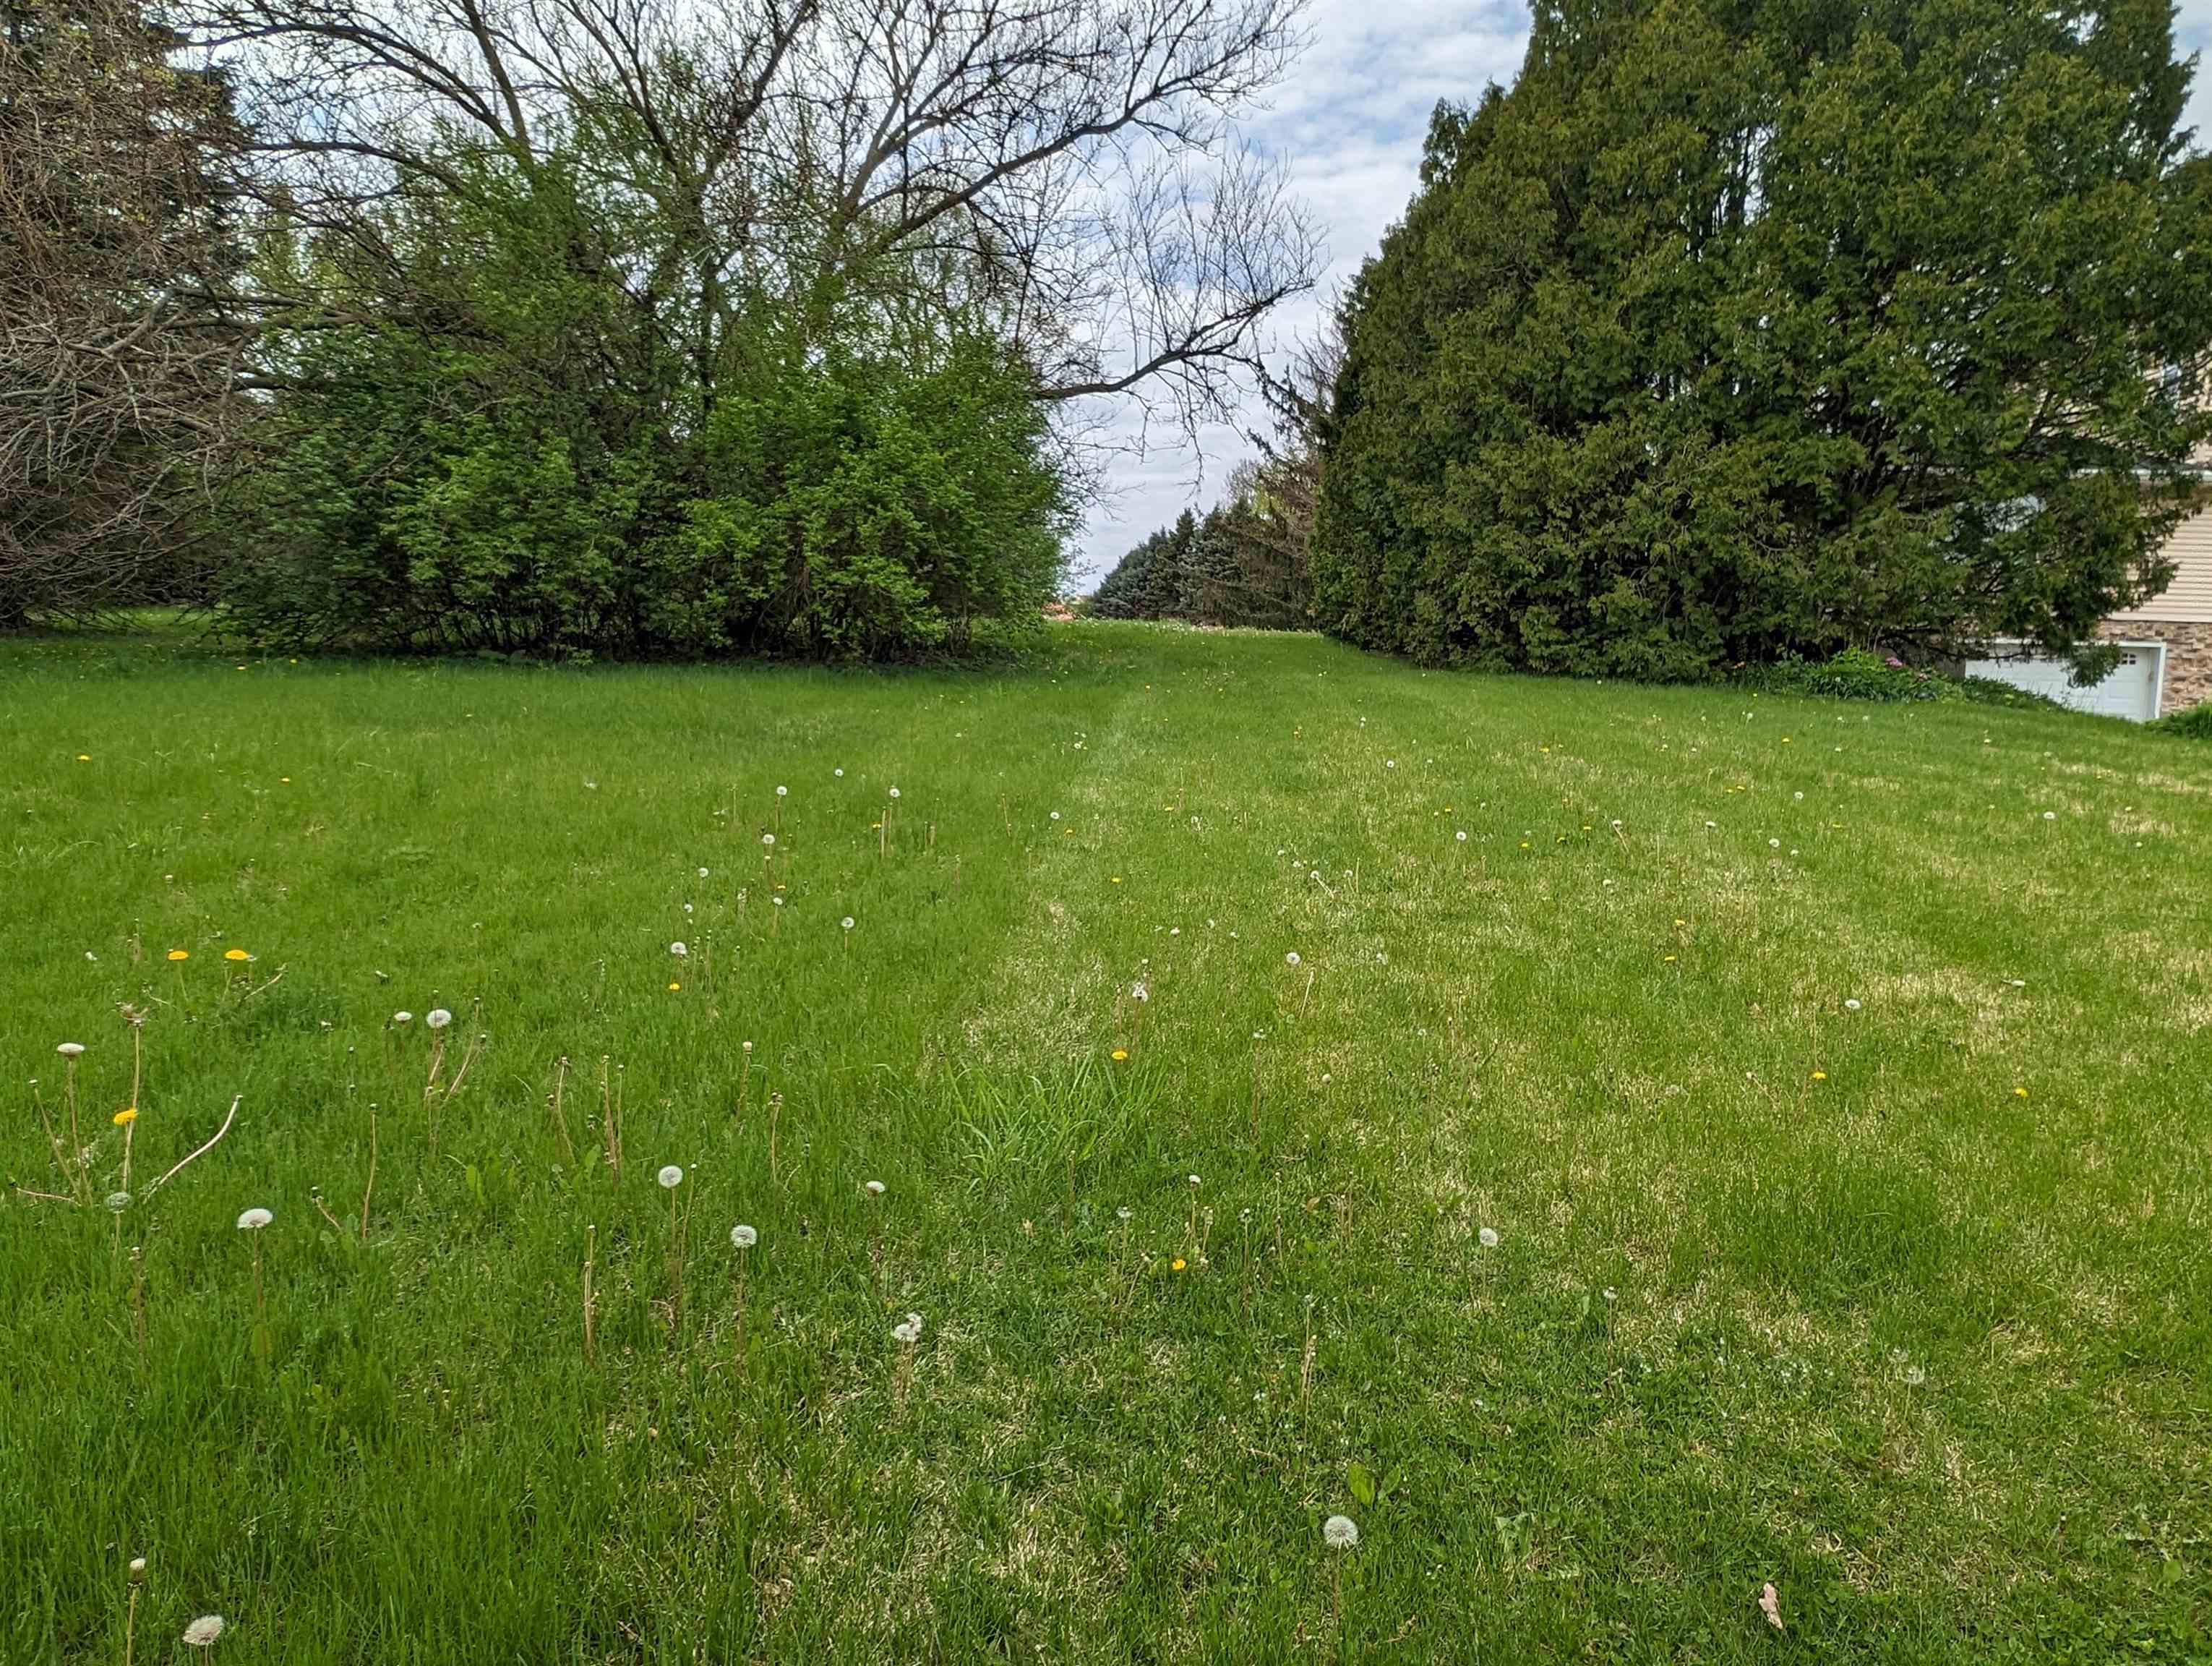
<point>2188,598</point>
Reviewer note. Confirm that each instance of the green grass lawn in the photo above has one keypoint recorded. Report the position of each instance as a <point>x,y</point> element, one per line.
<point>1836,1080</point>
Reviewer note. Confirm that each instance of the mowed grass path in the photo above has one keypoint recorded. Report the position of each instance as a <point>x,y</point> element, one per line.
<point>1836,1079</point>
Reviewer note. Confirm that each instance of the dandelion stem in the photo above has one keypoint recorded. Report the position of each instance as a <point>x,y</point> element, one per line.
<point>194,1157</point>
<point>368,1185</point>
<point>129,1626</point>
<point>430,1087</point>
<point>590,1338</point>
<point>137,1076</point>
<point>139,1300</point>
<point>72,1171</point>
<point>740,1344</point>
<point>76,1144</point>
<point>559,1118</point>
<point>678,1219</point>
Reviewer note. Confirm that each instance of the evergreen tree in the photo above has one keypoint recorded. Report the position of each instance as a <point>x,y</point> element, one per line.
<point>1738,329</point>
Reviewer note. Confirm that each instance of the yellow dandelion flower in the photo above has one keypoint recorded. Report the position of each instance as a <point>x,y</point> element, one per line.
<point>1524,844</point>
<point>1119,1054</point>
<point>1819,1075</point>
<point>124,1117</point>
<point>180,954</point>
<point>1178,1263</point>
<point>2020,1093</point>
<point>1669,959</point>
<point>674,987</point>
<point>234,954</point>
<point>84,758</point>
<point>1116,880</point>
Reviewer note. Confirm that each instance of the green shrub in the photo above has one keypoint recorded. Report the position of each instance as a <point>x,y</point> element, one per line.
<point>517,461</point>
<point>1853,674</point>
<point>2193,724</point>
<point>1860,674</point>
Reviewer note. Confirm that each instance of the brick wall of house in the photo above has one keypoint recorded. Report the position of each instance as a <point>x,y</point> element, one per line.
<point>2188,656</point>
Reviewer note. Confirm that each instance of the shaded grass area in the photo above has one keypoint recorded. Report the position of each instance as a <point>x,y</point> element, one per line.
<point>1899,1304</point>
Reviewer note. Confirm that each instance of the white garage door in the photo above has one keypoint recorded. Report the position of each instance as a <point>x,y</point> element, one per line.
<point>2131,691</point>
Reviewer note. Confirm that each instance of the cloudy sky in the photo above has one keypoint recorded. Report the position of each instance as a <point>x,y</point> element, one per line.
<point>1349,122</point>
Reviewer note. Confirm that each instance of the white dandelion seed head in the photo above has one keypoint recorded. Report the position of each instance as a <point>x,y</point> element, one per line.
<point>1291,958</point>
<point>846,922</point>
<point>1389,762</point>
<point>744,1237</point>
<point>437,1017</point>
<point>839,773</point>
<point>703,873</point>
<point>203,1631</point>
<point>2051,815</point>
<point>873,1187</point>
<point>783,791</point>
<point>1852,1005</point>
<point>1461,836</point>
<point>749,1047</point>
<point>137,1567</point>
<point>678,949</point>
<point>117,1203</point>
<point>687,908</point>
<point>1487,1238</point>
<point>1914,1376</point>
<point>1195,1181</point>
<point>767,838</point>
<point>1123,1213</point>
<point>1055,815</point>
<point>1339,1533</point>
<point>778,901</point>
<point>670,1177</point>
<point>71,1049</point>
<point>403,1016</point>
<point>1774,844</point>
<point>254,1220</point>
<point>895,792</point>
<point>1138,992</point>
<point>1611,1293</point>
<point>1800,797</point>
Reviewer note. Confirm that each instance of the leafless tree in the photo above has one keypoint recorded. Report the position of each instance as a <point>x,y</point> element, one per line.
<point>120,346</point>
<point>1068,172</point>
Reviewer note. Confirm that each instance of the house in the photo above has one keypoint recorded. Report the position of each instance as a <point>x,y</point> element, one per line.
<point>2166,664</point>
